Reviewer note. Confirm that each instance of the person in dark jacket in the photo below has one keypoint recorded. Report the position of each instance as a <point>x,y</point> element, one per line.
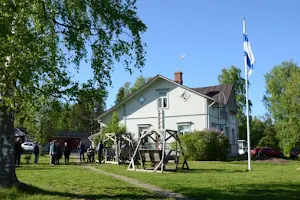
<point>81,150</point>
<point>36,152</point>
<point>67,152</point>
<point>18,151</point>
<point>100,151</point>
<point>59,153</point>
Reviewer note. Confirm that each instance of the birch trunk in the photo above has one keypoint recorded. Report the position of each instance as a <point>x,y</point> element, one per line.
<point>7,148</point>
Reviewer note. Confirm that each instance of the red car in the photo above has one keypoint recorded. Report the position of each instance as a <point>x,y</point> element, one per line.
<point>269,152</point>
<point>254,152</point>
<point>294,153</point>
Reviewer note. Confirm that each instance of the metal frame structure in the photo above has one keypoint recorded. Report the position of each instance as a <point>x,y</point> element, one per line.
<point>157,157</point>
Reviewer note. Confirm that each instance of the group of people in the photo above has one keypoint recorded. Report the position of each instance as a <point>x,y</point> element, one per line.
<point>90,152</point>
<point>56,152</point>
<point>19,151</point>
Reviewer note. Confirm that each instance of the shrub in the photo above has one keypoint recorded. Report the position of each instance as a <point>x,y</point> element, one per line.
<point>205,145</point>
<point>112,127</point>
<point>268,141</point>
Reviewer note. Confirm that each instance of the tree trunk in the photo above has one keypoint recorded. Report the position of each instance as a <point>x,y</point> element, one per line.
<point>7,148</point>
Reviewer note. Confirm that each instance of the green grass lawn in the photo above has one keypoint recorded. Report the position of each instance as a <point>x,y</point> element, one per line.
<point>226,180</point>
<point>69,182</point>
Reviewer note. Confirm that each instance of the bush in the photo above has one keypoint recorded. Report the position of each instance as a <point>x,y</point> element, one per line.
<point>112,127</point>
<point>205,145</point>
<point>268,141</point>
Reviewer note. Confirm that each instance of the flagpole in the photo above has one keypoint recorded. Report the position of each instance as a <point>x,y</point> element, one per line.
<point>247,104</point>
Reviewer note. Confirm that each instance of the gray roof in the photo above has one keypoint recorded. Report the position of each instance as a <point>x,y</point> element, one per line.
<point>220,93</point>
<point>18,132</point>
<point>72,134</point>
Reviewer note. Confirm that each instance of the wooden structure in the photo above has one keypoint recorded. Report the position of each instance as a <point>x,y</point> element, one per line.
<point>159,157</point>
<point>119,148</point>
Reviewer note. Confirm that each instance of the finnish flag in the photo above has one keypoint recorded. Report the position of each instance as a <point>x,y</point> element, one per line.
<point>248,52</point>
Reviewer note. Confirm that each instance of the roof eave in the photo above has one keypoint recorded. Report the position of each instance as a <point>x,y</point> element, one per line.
<point>145,86</point>
<point>129,97</point>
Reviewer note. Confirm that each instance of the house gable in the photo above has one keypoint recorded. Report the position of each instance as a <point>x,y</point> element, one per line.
<point>144,87</point>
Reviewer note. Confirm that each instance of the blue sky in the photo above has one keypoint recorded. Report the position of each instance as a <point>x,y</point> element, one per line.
<point>210,33</point>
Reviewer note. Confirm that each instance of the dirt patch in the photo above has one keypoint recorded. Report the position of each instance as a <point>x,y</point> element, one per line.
<point>272,160</point>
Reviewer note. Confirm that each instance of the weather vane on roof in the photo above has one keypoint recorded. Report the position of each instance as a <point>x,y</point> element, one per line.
<point>180,58</point>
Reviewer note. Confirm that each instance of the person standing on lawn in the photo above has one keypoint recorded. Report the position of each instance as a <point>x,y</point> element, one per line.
<point>36,152</point>
<point>81,150</point>
<point>67,152</point>
<point>99,151</point>
<point>53,152</point>
<point>59,153</point>
<point>18,151</point>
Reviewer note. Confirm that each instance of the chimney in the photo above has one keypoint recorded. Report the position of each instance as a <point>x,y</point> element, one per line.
<point>178,77</point>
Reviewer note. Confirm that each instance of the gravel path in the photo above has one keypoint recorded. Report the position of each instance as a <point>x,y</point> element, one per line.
<point>137,183</point>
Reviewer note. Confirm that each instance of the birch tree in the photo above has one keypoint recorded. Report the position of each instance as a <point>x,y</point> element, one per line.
<point>38,41</point>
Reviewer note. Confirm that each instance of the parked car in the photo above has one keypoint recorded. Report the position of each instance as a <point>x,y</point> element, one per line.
<point>254,152</point>
<point>27,146</point>
<point>294,153</point>
<point>270,152</point>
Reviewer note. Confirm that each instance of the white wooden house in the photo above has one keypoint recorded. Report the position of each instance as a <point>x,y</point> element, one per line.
<point>167,104</point>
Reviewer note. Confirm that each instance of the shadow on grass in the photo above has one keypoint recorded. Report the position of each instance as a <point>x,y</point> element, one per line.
<point>45,166</point>
<point>215,170</point>
<point>33,190</point>
<point>245,192</point>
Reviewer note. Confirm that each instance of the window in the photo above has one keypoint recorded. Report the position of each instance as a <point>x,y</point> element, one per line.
<point>141,99</point>
<point>141,129</point>
<point>222,113</point>
<point>185,96</point>
<point>184,127</point>
<point>162,101</point>
<point>227,131</point>
<point>232,136</point>
<point>222,127</point>
<point>214,125</point>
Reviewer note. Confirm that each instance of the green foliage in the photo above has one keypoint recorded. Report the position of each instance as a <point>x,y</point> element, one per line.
<point>282,99</point>
<point>268,141</point>
<point>234,76</point>
<point>113,126</point>
<point>40,40</point>
<point>257,131</point>
<point>205,145</point>
<point>126,90</point>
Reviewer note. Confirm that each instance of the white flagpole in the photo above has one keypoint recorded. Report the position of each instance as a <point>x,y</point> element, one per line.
<point>247,106</point>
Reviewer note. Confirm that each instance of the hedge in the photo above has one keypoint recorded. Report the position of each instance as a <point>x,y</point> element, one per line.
<point>206,145</point>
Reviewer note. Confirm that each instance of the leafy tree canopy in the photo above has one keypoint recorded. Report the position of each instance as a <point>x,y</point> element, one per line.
<point>39,41</point>
<point>126,90</point>
<point>282,99</point>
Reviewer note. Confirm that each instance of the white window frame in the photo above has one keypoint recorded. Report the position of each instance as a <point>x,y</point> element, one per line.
<point>160,99</point>
<point>143,126</point>
<point>185,124</point>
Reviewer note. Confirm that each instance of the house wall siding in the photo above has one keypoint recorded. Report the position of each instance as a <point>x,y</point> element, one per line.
<point>229,126</point>
<point>192,110</point>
